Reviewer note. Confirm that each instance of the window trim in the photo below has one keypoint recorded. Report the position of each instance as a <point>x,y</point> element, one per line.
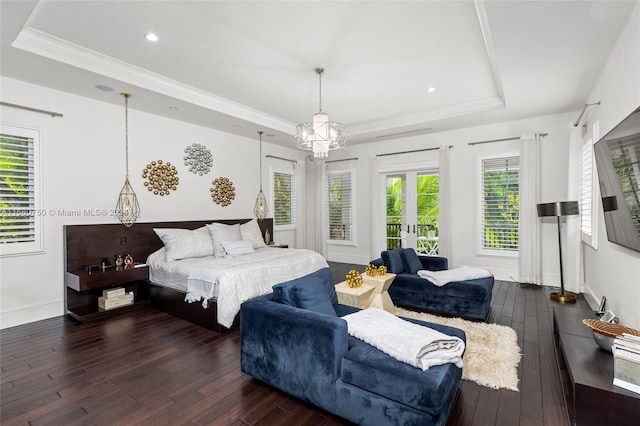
<point>292,173</point>
<point>38,213</point>
<point>481,251</point>
<point>353,240</point>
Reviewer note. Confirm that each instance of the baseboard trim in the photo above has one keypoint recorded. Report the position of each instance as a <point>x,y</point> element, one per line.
<point>31,314</point>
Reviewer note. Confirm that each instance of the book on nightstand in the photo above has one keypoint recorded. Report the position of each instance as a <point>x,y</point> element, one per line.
<point>114,298</point>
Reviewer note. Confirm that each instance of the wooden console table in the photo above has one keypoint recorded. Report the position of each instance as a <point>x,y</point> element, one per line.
<point>591,398</point>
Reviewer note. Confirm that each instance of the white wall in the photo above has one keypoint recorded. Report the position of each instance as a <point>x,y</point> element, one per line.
<point>612,270</point>
<point>464,187</point>
<point>83,168</point>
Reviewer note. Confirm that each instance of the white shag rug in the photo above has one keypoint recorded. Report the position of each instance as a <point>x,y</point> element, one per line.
<point>492,355</point>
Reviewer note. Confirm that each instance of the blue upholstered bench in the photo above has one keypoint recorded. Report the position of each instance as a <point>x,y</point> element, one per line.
<point>470,299</point>
<point>296,341</point>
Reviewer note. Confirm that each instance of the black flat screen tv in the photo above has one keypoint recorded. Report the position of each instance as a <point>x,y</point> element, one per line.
<point>617,157</point>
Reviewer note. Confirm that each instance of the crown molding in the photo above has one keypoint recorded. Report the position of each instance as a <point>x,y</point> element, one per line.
<point>51,47</point>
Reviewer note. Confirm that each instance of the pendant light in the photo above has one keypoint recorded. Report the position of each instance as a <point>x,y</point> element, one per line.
<point>320,135</point>
<point>261,209</point>
<point>127,207</point>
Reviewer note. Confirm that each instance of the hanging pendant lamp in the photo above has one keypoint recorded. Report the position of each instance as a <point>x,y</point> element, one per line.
<point>127,207</point>
<point>320,135</point>
<point>261,209</point>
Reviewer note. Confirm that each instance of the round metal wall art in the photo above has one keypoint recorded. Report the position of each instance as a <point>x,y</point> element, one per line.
<point>223,191</point>
<point>198,159</point>
<point>162,177</point>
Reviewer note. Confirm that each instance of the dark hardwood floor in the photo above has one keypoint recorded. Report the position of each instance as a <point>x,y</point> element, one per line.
<point>147,367</point>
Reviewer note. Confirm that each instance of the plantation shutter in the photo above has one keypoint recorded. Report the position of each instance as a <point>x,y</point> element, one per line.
<point>339,205</point>
<point>586,199</point>
<point>500,203</point>
<point>17,189</point>
<point>284,199</point>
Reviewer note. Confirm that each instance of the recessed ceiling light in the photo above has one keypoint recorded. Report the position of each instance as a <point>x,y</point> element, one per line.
<point>431,89</point>
<point>173,108</point>
<point>270,135</point>
<point>151,37</point>
<point>104,88</point>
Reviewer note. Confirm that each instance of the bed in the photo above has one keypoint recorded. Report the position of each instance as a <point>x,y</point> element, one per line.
<point>223,283</point>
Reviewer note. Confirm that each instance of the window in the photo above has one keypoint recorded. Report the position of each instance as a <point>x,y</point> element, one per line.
<point>339,205</point>
<point>500,205</point>
<point>588,209</point>
<point>20,212</point>
<point>284,199</point>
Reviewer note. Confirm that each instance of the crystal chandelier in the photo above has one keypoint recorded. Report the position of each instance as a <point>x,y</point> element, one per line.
<point>320,135</point>
<point>261,209</point>
<point>127,207</point>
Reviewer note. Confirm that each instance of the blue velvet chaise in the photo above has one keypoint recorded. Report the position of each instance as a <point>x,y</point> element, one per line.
<point>469,299</point>
<point>295,340</point>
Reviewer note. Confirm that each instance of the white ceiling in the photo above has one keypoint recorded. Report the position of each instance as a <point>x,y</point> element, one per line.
<point>243,66</point>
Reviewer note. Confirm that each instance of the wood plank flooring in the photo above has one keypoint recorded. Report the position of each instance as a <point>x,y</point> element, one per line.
<point>147,367</point>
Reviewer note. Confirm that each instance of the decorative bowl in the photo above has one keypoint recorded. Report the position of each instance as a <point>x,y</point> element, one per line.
<point>604,333</point>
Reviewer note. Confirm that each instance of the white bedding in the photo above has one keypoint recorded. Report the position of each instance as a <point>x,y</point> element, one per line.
<point>233,281</point>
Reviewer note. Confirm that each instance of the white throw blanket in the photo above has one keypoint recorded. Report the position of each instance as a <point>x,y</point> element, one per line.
<point>440,278</point>
<point>416,345</point>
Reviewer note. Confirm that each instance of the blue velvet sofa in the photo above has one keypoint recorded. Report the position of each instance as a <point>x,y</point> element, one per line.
<point>299,345</point>
<point>470,299</point>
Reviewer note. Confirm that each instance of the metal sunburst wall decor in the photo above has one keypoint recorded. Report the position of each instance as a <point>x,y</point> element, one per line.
<point>162,177</point>
<point>198,159</point>
<point>223,191</point>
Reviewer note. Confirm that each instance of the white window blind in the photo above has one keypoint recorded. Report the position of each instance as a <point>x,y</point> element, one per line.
<point>586,193</point>
<point>500,204</point>
<point>339,205</point>
<point>20,213</point>
<point>284,199</point>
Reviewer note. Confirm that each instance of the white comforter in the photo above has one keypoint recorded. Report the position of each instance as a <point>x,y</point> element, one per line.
<point>241,278</point>
<point>405,341</point>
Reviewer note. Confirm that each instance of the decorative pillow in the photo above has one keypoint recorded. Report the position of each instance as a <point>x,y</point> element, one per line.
<point>237,248</point>
<point>411,261</point>
<point>282,292</point>
<point>221,232</point>
<point>392,259</point>
<point>185,243</point>
<point>312,296</point>
<point>251,232</point>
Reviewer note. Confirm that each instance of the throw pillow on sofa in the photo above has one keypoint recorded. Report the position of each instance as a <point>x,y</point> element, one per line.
<point>392,259</point>
<point>312,297</point>
<point>411,261</point>
<point>282,293</point>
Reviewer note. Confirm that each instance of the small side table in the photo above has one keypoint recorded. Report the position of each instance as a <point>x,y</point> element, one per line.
<point>381,298</point>
<point>357,297</point>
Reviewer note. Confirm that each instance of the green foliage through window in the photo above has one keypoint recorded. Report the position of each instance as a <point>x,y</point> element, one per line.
<point>500,203</point>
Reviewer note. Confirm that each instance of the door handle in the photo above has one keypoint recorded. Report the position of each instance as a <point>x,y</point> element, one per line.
<point>414,228</point>
<point>408,229</point>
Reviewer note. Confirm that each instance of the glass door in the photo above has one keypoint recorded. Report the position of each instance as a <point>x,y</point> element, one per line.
<point>412,211</point>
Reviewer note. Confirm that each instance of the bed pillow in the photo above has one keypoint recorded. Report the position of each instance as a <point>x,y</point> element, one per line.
<point>251,232</point>
<point>411,261</point>
<point>237,248</point>
<point>185,243</point>
<point>221,232</point>
<point>392,259</point>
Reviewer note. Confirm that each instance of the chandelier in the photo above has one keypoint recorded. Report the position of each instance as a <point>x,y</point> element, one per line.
<point>320,135</point>
<point>261,208</point>
<point>127,208</point>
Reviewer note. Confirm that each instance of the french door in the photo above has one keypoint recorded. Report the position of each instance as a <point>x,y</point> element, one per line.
<point>412,208</point>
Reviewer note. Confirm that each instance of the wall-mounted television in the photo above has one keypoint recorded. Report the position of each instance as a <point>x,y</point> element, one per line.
<point>618,160</point>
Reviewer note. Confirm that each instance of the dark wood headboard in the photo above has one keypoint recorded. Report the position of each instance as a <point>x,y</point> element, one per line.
<point>87,245</point>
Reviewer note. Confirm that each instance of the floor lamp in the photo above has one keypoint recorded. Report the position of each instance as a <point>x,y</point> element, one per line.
<point>559,209</point>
